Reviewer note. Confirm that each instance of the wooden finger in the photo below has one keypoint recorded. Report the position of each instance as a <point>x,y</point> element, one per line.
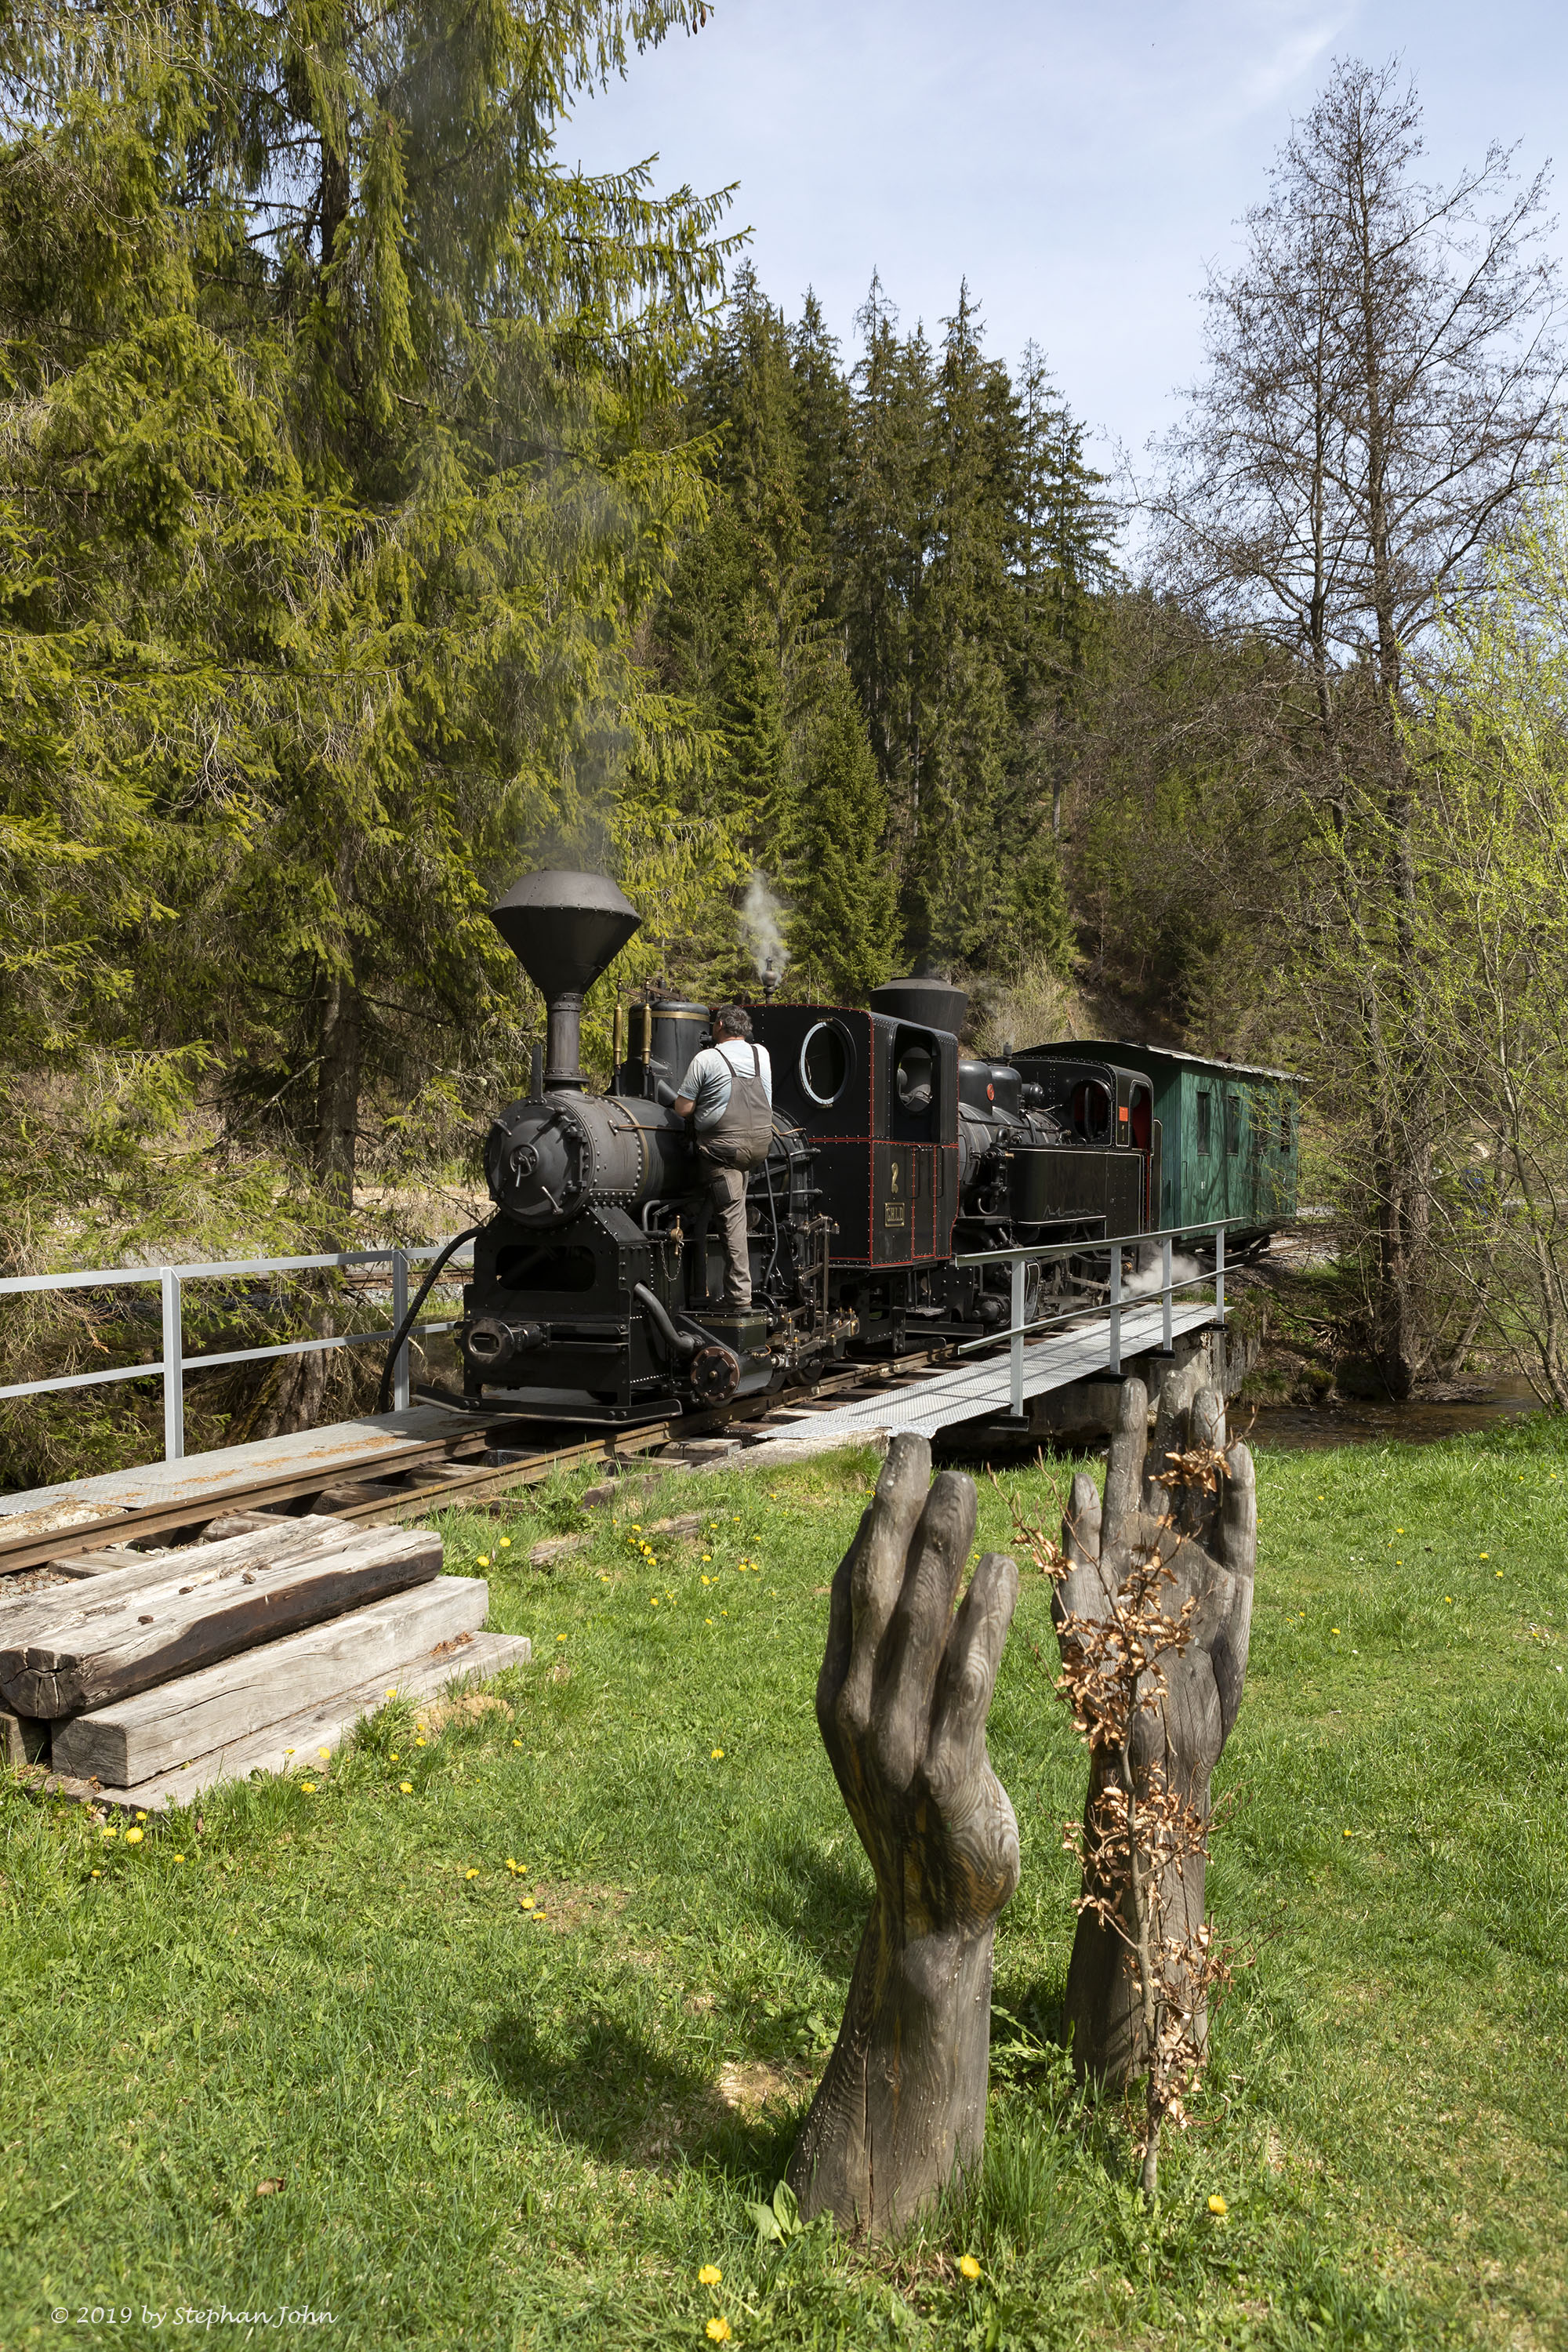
<point>836,1656</point>
<point>1086,1589</point>
<point>876,1561</point>
<point>919,1633</point>
<point>1205,1434</point>
<point>1080,1527</point>
<point>1170,1434</point>
<point>1124,1478</point>
<point>973,1653</point>
<point>1238,1540</point>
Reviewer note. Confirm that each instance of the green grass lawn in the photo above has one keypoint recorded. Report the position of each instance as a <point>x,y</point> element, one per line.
<point>499,2125</point>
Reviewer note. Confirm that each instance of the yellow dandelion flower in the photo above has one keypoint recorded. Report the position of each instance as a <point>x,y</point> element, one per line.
<point>134,1837</point>
<point>708,1621</point>
<point>653,1600</point>
<point>969,2266</point>
<point>420,1743</point>
<point>405,1787</point>
<point>1217,2205</point>
<point>393,1758</point>
<point>1486,1555</point>
<point>718,2330</point>
<point>528,1902</point>
<point>470,1873</point>
<point>142,1817</point>
<point>517,1743</point>
<point>1334,1629</point>
<point>179,1857</point>
<point>96,1874</point>
<point>107,1831</point>
<point>1496,1572</point>
<point>506,1543</point>
<point>1344,1833</point>
<point>392,1691</point>
<point>307,1788</point>
<point>483,1560</point>
<point>561,1637</point>
<point>709,2275</point>
<point>715,1753</point>
<point>325,1754</point>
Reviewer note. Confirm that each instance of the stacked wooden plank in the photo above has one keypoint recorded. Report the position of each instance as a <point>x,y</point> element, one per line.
<point>155,1678</point>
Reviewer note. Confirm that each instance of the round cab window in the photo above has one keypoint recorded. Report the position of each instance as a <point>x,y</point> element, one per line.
<point>825,1062</point>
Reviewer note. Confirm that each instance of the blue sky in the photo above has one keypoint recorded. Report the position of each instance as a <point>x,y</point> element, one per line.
<point>1081,163</point>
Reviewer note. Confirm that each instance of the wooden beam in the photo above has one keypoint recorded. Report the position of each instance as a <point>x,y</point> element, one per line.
<point>159,1730</point>
<point>107,1646</point>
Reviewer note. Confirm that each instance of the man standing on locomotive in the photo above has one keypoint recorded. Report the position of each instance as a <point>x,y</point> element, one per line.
<point>728,1093</point>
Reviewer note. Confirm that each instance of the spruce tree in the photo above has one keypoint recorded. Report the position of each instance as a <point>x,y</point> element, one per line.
<point>884,547</point>
<point>954,880</point>
<point>338,385</point>
<point>820,416</point>
<point>843,934</point>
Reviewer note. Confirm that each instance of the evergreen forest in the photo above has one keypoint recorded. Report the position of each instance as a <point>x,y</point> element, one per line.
<point>386,508</point>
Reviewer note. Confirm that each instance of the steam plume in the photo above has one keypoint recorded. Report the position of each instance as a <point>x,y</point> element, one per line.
<point>762,926</point>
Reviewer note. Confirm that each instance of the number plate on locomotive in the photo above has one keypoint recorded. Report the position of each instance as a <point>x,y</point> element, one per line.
<point>894,1214</point>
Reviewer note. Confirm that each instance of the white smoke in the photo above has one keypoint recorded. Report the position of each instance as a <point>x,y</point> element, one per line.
<point>1150,1276</point>
<point>762,926</point>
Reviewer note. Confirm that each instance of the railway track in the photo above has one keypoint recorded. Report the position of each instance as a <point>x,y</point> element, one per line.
<point>463,1466</point>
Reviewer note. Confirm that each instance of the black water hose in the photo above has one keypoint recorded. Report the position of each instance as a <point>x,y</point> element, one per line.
<point>682,1344</point>
<point>384,1394</point>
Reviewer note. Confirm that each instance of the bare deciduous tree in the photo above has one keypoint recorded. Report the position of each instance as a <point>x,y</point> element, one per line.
<point>1382,388</point>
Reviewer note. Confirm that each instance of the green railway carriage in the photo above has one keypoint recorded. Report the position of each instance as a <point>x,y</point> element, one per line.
<point>1228,1135</point>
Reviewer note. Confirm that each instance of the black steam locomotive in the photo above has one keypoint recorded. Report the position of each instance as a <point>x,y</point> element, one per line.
<point>592,1283</point>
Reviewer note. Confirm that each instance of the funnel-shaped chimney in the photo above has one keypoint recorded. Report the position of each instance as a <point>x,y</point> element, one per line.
<point>932,1003</point>
<point>563,929</point>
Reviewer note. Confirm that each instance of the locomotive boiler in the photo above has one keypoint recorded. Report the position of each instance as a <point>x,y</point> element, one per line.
<point>592,1287</point>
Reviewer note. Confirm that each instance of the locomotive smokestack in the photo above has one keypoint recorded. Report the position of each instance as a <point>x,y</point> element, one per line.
<point>564,928</point>
<point>931,1004</point>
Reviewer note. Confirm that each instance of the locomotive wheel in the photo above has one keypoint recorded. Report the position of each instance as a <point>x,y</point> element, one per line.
<point>715,1376</point>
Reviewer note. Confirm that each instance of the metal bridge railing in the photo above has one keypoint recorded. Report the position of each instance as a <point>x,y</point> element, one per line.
<point>171,1365</point>
<point>1019,1326</point>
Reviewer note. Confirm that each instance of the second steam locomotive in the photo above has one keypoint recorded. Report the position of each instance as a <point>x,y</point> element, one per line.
<point>892,1155</point>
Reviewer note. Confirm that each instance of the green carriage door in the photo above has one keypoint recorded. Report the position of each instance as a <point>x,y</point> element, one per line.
<point>1203,1151</point>
<point>1233,1182</point>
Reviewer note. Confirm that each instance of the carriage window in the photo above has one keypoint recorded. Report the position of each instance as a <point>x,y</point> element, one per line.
<point>1233,1124</point>
<point>1205,1098</point>
<point>1091,1112</point>
<point>1284,1129</point>
<point>825,1060</point>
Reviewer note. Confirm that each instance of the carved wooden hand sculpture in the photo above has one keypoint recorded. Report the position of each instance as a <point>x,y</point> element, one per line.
<point>1211,1545</point>
<point>902,1703</point>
